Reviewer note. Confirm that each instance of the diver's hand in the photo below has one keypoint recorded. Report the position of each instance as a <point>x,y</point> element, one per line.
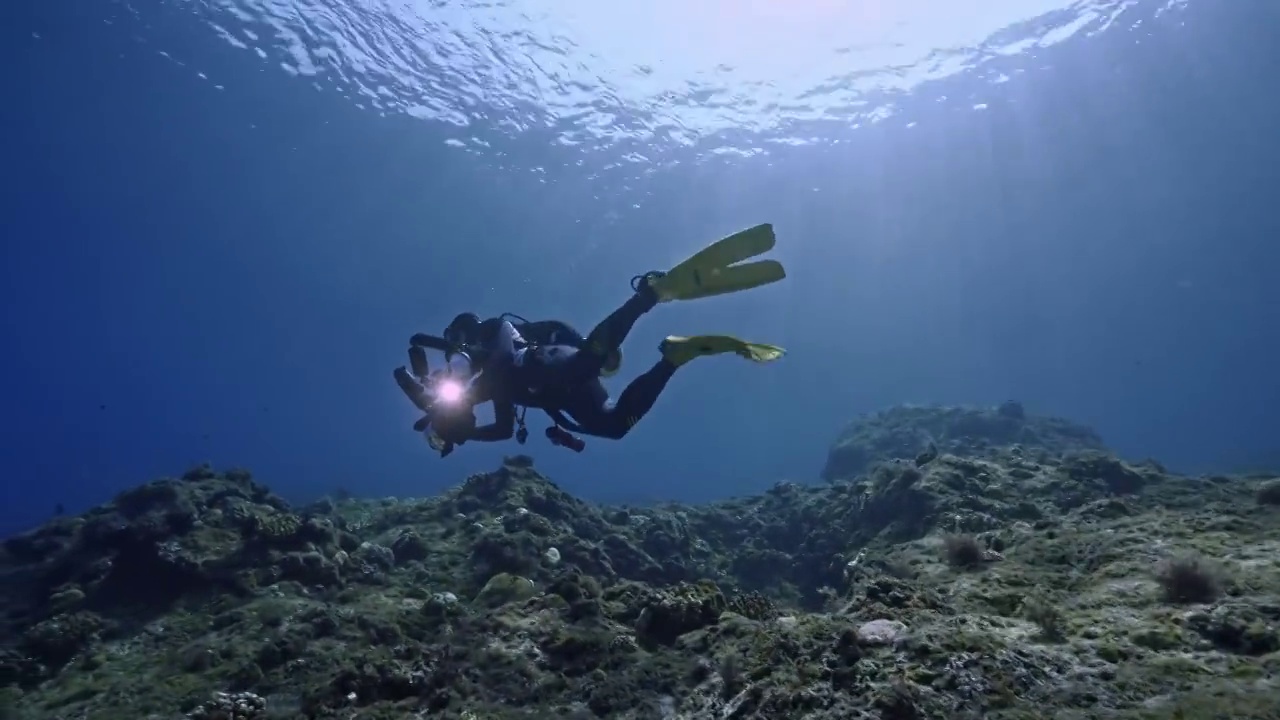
<point>454,435</point>
<point>412,389</point>
<point>437,443</point>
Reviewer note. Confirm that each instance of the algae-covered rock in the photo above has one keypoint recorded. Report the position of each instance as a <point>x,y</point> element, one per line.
<point>66,599</point>
<point>753,605</point>
<point>676,611</point>
<point>1122,591</point>
<point>881,632</point>
<point>409,545</point>
<point>505,588</point>
<point>1117,476</point>
<point>907,432</point>
<point>231,706</point>
<point>1242,628</point>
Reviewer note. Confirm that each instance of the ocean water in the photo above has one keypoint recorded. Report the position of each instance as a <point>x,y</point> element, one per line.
<point>221,221</point>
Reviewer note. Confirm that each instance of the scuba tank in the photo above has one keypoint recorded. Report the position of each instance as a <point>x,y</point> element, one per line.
<point>555,332</point>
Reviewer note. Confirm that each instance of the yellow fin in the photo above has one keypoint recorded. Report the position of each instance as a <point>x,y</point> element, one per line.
<point>712,270</point>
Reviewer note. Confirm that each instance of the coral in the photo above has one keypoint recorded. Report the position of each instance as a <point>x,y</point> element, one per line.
<point>962,551</point>
<point>753,605</point>
<point>274,527</point>
<point>226,706</point>
<point>1189,579</point>
<point>960,563</point>
<point>679,610</point>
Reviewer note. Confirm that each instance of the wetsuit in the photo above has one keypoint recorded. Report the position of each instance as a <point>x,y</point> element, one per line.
<point>550,332</point>
<point>564,380</point>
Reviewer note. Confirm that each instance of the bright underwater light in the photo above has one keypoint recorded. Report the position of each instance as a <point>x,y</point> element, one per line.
<point>449,391</point>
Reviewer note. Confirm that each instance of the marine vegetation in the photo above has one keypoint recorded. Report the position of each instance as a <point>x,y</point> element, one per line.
<point>958,563</point>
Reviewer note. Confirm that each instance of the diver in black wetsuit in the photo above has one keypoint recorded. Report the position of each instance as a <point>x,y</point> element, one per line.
<point>561,379</point>
<point>558,371</point>
<point>464,333</point>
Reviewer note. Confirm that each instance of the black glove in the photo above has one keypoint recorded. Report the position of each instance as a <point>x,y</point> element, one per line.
<point>412,389</point>
<point>452,430</point>
<point>444,447</point>
<point>455,427</point>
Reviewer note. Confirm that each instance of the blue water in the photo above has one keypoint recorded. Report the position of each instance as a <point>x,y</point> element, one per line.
<point>222,220</point>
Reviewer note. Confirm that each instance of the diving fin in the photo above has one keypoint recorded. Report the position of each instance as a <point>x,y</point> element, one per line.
<point>712,270</point>
<point>735,248</point>
<point>680,350</point>
<point>761,352</point>
<point>712,281</point>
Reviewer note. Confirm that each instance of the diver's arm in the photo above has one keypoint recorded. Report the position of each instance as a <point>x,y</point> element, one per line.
<point>500,345</point>
<point>431,342</point>
<point>491,384</point>
<point>503,426</point>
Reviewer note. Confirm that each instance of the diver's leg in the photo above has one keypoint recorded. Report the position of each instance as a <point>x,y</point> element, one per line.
<point>609,334</point>
<point>634,402</point>
<point>638,397</point>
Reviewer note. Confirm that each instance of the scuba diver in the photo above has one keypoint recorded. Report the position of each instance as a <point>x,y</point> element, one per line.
<point>550,366</point>
<point>427,389</point>
<point>464,339</point>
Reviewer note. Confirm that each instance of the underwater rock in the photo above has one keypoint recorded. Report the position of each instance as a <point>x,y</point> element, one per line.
<point>753,605</point>
<point>408,545</point>
<point>505,588</point>
<point>1011,409</point>
<point>54,642</point>
<point>1240,627</point>
<point>66,599</point>
<point>1269,493</point>
<point>907,432</point>
<point>881,632</point>
<point>231,706</point>
<point>830,602</point>
<point>309,568</point>
<point>374,555</point>
<point>518,461</point>
<point>551,556</point>
<point>928,455</point>
<point>1116,475</point>
<point>679,610</point>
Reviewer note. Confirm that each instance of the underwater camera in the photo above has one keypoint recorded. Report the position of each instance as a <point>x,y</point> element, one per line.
<point>450,413</point>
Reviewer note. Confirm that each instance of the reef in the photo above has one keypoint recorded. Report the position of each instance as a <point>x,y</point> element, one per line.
<point>906,432</point>
<point>958,563</point>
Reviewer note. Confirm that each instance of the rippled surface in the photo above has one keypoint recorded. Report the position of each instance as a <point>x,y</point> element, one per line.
<point>661,72</point>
